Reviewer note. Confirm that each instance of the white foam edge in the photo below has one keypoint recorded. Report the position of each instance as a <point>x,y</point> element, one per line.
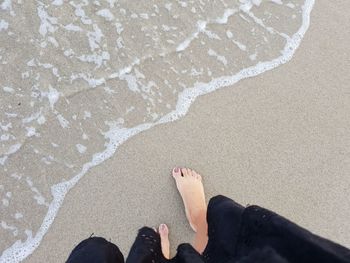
<point>20,250</point>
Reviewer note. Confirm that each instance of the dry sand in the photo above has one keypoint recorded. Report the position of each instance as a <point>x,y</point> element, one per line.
<point>279,140</point>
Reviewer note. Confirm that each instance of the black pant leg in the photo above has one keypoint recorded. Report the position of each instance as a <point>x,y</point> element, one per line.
<point>95,250</point>
<point>224,220</point>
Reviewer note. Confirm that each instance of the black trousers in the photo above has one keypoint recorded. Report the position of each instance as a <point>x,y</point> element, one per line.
<point>235,235</point>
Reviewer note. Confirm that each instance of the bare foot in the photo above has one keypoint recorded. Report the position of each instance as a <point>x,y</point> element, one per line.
<point>189,184</point>
<point>164,240</point>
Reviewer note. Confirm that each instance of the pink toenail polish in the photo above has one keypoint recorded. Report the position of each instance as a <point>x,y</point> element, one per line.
<point>176,170</point>
<point>162,227</point>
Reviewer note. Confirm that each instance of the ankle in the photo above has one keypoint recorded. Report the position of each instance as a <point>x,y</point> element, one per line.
<point>201,225</point>
<point>200,217</point>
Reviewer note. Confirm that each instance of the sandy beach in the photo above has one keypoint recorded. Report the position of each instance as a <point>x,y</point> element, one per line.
<point>280,140</point>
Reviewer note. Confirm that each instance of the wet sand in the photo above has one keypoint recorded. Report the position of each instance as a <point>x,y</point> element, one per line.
<point>279,140</point>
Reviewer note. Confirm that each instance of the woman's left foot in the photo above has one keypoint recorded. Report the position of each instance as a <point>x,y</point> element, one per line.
<point>164,240</point>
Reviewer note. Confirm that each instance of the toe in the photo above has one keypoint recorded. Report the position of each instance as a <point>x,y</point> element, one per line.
<point>163,230</point>
<point>184,172</point>
<point>197,175</point>
<point>190,172</point>
<point>176,172</point>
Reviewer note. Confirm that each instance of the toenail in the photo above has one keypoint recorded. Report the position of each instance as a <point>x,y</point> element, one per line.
<point>162,227</point>
<point>176,169</point>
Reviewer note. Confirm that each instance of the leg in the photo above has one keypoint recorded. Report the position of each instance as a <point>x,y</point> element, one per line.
<point>190,187</point>
<point>150,246</point>
<point>224,218</point>
<point>96,249</point>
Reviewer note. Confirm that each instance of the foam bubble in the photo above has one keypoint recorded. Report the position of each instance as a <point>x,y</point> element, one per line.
<point>106,14</point>
<point>81,148</point>
<point>3,25</point>
<point>8,89</point>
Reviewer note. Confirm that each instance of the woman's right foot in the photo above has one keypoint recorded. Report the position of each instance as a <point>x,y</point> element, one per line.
<point>189,183</point>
